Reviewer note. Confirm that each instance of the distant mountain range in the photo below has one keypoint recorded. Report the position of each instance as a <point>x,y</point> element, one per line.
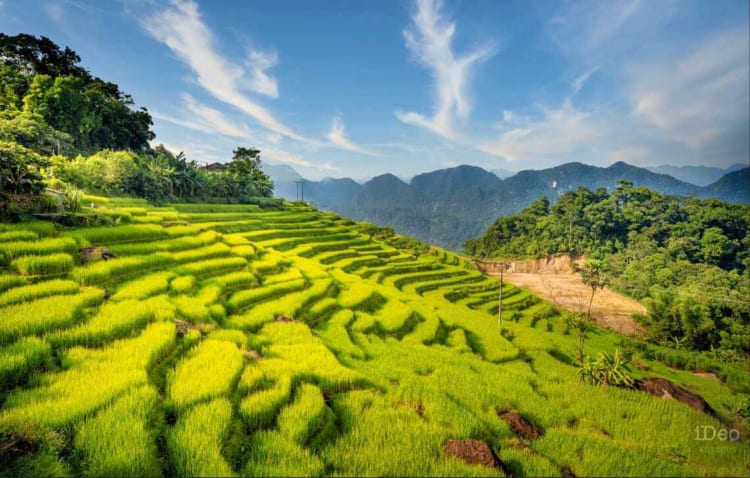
<point>698,175</point>
<point>448,206</point>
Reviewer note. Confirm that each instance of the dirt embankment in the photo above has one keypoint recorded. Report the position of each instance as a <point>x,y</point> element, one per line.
<point>553,279</point>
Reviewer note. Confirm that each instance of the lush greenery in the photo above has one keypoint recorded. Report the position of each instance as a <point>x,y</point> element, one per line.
<point>448,206</point>
<point>64,128</point>
<point>687,259</point>
<point>170,360</point>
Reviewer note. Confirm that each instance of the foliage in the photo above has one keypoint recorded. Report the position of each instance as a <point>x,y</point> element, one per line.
<point>607,370</point>
<point>687,259</point>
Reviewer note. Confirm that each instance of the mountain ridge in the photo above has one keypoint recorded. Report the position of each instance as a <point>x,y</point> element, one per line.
<point>447,206</point>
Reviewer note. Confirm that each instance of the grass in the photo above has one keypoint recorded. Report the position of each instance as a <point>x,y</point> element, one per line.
<point>390,355</point>
<point>46,314</point>
<point>52,264</point>
<point>31,292</point>
<point>207,372</point>
<point>117,441</point>
<point>195,441</point>
<point>21,358</point>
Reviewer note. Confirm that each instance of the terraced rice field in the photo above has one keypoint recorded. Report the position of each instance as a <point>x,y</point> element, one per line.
<point>169,359</point>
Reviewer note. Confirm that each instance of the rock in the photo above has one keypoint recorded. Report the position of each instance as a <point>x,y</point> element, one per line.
<point>475,452</point>
<point>661,387</point>
<point>284,318</point>
<point>90,254</point>
<point>520,425</point>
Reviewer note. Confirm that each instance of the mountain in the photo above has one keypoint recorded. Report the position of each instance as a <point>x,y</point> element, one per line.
<point>502,173</point>
<point>698,175</point>
<point>732,187</point>
<point>448,206</point>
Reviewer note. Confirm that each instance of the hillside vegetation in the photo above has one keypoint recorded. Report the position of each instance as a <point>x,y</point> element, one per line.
<point>239,340</point>
<point>449,206</point>
<point>687,259</point>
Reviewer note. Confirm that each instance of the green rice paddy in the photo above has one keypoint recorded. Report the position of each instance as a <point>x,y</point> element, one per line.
<point>169,359</point>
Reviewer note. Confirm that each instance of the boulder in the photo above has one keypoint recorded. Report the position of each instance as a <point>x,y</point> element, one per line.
<point>661,387</point>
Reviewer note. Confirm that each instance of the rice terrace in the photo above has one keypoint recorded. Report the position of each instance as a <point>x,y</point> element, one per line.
<point>374,238</point>
<point>235,339</point>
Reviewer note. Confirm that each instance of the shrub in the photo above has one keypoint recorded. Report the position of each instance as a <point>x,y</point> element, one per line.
<point>607,370</point>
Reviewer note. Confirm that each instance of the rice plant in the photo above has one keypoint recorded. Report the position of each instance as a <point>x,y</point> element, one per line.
<point>92,378</point>
<point>107,271</point>
<point>117,441</point>
<point>20,358</point>
<point>92,236</point>
<point>113,320</point>
<point>245,298</point>
<point>36,291</point>
<point>52,264</point>
<point>207,372</point>
<point>195,442</point>
<point>8,281</point>
<point>46,314</point>
<point>144,287</point>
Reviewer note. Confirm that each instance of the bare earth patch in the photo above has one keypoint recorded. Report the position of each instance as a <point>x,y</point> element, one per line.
<point>565,289</point>
<point>552,278</point>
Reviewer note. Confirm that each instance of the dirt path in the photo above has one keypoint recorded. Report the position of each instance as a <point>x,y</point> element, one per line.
<point>610,309</point>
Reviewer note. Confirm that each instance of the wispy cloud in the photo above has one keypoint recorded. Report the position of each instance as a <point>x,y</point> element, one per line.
<point>581,79</point>
<point>200,117</point>
<point>181,28</point>
<point>699,97</point>
<point>555,132</point>
<point>258,64</point>
<point>430,40</point>
<point>337,137</point>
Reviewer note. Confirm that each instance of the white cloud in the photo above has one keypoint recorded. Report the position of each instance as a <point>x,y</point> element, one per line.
<point>581,80</point>
<point>337,137</point>
<point>556,132</point>
<point>260,81</point>
<point>181,28</point>
<point>698,97</point>
<point>200,117</point>
<point>430,40</point>
<point>295,159</point>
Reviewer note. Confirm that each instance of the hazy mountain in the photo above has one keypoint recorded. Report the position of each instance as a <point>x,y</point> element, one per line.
<point>502,173</point>
<point>698,175</point>
<point>733,187</point>
<point>448,206</point>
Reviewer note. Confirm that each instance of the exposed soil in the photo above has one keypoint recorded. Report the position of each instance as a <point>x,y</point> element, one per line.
<point>474,452</point>
<point>661,387</point>
<point>566,290</point>
<point>520,425</point>
<point>252,354</point>
<point>284,318</point>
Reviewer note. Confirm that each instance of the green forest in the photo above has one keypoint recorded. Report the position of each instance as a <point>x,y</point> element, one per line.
<point>62,127</point>
<point>687,259</point>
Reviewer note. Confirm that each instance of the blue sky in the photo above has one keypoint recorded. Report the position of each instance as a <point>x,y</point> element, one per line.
<point>362,87</point>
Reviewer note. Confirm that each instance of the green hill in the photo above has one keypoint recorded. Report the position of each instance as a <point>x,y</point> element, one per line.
<point>235,339</point>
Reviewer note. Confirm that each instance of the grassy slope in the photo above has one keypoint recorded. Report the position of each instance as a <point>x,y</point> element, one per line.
<point>380,369</point>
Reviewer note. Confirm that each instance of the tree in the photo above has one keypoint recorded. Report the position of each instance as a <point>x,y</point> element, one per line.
<point>245,169</point>
<point>592,274</point>
<point>19,169</point>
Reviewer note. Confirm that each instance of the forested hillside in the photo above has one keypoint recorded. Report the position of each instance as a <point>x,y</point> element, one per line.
<point>686,258</point>
<point>64,128</point>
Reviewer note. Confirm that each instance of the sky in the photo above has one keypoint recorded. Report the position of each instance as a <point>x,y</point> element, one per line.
<point>363,87</point>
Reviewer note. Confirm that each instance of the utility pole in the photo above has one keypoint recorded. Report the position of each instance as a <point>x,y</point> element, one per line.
<point>300,188</point>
